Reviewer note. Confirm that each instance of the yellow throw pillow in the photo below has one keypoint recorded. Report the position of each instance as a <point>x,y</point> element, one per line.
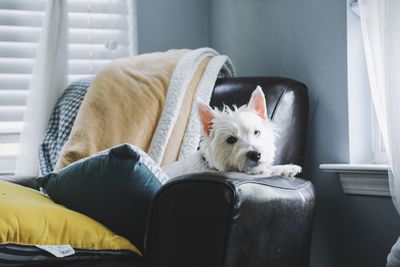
<point>28,217</point>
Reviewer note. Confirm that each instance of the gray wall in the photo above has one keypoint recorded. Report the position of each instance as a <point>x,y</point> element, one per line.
<point>165,24</point>
<point>306,40</point>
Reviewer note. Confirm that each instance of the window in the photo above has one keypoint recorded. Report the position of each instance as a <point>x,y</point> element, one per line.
<point>367,171</point>
<point>99,30</point>
<point>365,142</point>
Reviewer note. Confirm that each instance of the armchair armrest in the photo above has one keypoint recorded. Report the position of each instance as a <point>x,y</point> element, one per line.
<point>230,219</point>
<point>27,181</point>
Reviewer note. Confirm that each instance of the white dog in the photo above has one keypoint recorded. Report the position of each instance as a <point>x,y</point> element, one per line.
<point>240,140</point>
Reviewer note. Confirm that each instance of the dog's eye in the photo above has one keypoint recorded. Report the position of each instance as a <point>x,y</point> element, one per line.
<point>257,132</point>
<point>231,140</point>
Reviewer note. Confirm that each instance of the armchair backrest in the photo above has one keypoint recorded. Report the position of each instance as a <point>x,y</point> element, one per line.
<point>287,105</point>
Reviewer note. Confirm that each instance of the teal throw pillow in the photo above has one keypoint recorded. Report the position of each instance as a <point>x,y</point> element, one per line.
<point>114,187</point>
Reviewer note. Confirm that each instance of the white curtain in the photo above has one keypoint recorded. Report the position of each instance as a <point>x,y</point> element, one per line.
<point>48,81</point>
<point>380,25</point>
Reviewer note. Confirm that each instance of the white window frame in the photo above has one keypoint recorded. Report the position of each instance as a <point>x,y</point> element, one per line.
<point>379,150</point>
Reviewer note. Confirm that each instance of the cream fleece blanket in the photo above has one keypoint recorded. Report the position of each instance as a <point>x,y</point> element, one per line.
<point>148,101</point>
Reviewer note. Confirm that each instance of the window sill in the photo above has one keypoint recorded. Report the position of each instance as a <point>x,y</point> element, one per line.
<point>361,179</point>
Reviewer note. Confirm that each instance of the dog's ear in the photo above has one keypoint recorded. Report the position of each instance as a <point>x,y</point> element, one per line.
<point>257,102</point>
<point>206,115</point>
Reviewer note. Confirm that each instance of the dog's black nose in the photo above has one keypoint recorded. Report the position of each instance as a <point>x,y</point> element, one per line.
<point>254,155</point>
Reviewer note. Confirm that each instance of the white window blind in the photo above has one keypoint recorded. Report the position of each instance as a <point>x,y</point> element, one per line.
<point>99,30</point>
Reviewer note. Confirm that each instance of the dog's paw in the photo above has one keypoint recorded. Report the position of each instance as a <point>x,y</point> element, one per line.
<point>289,170</point>
<point>292,170</point>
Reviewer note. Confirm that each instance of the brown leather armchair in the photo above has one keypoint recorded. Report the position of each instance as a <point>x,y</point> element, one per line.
<point>231,219</point>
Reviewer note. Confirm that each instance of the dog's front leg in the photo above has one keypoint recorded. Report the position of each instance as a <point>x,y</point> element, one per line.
<point>260,169</point>
<point>289,170</point>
